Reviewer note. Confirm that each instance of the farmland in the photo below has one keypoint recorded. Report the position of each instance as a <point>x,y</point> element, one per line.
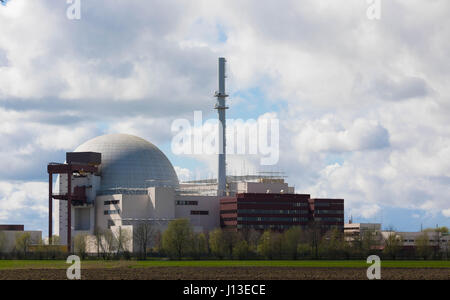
<point>223,270</point>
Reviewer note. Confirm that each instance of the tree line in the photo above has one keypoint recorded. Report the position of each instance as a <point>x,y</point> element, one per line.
<point>180,241</point>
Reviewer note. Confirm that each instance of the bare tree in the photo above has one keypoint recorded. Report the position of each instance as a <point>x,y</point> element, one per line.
<point>109,243</point>
<point>123,238</point>
<point>314,237</point>
<point>423,246</point>
<point>436,233</point>
<point>55,240</point>
<point>230,239</point>
<point>105,242</point>
<point>392,245</point>
<point>80,245</point>
<point>98,234</point>
<point>2,242</point>
<point>23,242</point>
<point>143,235</point>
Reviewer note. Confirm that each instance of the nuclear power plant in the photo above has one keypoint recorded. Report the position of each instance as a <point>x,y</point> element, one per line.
<point>118,181</point>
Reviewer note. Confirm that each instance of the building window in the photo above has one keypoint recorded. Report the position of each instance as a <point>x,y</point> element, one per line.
<point>330,219</point>
<point>109,202</point>
<point>263,227</point>
<point>293,204</point>
<point>273,211</point>
<point>199,212</point>
<point>272,219</point>
<point>112,212</point>
<point>300,204</point>
<point>329,212</point>
<point>111,223</point>
<point>182,202</point>
<point>321,204</point>
<point>228,211</point>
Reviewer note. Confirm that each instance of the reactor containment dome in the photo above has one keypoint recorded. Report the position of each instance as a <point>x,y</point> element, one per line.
<point>130,164</point>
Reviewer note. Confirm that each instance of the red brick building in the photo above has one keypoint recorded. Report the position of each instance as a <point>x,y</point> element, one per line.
<point>328,213</point>
<point>279,211</point>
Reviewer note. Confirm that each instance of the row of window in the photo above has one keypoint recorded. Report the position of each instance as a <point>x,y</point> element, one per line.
<point>280,211</point>
<point>413,241</point>
<point>199,212</point>
<point>294,204</point>
<point>272,211</point>
<point>112,212</point>
<point>321,204</point>
<point>233,211</point>
<point>181,202</point>
<point>324,211</point>
<point>109,202</point>
<point>280,197</point>
<point>272,219</point>
<point>326,204</point>
<point>264,227</point>
<point>330,219</point>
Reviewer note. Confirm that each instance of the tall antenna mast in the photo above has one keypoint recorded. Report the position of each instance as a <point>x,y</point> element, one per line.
<point>221,107</point>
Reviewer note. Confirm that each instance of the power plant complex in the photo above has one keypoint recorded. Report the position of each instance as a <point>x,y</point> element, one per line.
<point>119,181</point>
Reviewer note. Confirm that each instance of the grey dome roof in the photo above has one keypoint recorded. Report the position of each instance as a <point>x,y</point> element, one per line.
<point>130,164</point>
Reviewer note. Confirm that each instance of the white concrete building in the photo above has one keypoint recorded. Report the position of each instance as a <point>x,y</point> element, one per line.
<point>357,230</point>
<point>409,239</point>
<point>136,183</point>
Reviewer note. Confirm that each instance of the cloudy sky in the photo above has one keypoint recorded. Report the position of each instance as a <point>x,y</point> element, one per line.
<point>364,105</point>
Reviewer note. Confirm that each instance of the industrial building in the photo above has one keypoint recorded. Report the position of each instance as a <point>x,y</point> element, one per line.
<point>354,231</point>
<point>118,181</point>
<point>409,240</point>
<point>280,211</point>
<point>10,233</point>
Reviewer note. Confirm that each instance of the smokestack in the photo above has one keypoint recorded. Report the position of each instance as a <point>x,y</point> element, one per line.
<point>221,107</point>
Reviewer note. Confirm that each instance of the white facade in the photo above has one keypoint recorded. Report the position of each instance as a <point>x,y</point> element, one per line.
<point>203,212</point>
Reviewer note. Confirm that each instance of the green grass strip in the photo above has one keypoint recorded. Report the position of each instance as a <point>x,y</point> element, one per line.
<point>95,264</point>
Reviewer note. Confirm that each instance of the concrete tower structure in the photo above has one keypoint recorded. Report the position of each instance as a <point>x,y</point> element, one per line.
<point>221,107</point>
